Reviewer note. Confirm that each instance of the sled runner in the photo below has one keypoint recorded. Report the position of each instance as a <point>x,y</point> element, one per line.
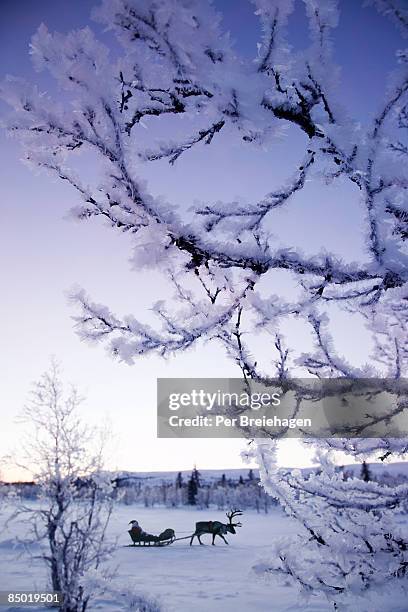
<point>139,538</point>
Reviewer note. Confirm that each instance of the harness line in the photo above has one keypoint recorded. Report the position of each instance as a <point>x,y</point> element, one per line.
<point>185,538</point>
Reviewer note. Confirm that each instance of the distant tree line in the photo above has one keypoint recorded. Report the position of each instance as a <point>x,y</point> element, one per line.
<point>194,490</point>
<point>222,493</point>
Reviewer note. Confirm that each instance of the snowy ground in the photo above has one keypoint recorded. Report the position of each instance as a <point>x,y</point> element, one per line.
<point>183,578</point>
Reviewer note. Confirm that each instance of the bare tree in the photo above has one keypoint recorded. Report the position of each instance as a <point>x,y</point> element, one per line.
<point>176,61</point>
<point>75,501</point>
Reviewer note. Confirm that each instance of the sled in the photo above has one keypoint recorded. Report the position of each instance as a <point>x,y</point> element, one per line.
<point>139,538</point>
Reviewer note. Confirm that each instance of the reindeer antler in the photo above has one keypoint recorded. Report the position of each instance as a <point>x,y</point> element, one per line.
<point>230,515</point>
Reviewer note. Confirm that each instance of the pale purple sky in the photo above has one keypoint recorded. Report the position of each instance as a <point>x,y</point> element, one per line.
<point>43,255</point>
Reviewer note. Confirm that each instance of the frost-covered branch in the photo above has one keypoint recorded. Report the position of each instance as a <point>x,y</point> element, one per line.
<point>349,533</point>
<point>252,217</point>
<point>130,338</point>
<point>173,151</point>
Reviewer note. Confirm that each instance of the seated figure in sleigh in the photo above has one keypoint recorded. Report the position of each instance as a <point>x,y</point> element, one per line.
<point>141,538</point>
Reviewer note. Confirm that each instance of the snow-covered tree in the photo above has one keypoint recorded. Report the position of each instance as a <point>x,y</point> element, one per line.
<point>222,257</point>
<point>74,503</point>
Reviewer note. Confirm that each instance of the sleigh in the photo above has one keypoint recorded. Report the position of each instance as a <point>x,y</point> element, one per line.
<point>140,538</point>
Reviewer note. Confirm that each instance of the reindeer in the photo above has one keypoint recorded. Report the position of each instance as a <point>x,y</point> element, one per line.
<point>216,528</point>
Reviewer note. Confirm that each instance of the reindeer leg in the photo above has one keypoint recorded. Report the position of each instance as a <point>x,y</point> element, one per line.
<point>213,538</point>
<point>199,539</point>
<point>192,538</point>
<point>221,536</point>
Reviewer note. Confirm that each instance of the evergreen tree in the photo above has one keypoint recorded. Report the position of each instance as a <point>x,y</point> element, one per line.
<point>195,475</point>
<point>192,490</point>
<point>365,472</point>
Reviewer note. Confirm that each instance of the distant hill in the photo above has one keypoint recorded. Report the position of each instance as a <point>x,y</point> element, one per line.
<point>206,476</point>
<point>378,470</point>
